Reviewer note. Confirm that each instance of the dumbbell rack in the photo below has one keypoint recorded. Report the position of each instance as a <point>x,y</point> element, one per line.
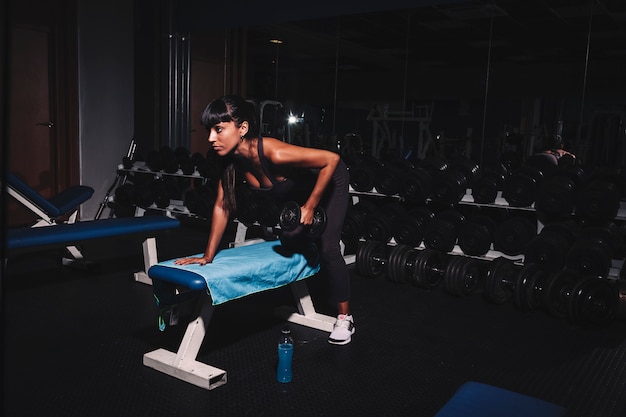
<point>500,203</point>
<point>175,208</point>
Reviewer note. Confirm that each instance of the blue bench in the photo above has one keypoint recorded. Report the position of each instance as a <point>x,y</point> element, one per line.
<point>20,239</point>
<point>475,399</point>
<point>233,274</point>
<point>49,211</point>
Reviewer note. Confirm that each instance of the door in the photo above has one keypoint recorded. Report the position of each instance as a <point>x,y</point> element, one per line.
<point>38,109</point>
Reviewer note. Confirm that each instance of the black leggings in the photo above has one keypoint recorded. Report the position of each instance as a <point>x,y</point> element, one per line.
<point>335,201</point>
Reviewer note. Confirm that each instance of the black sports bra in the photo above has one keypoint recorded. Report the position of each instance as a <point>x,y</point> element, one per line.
<point>279,187</point>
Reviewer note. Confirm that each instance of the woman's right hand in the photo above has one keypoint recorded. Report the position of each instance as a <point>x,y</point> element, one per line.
<point>193,260</point>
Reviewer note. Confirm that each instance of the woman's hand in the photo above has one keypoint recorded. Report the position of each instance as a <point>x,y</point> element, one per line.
<point>193,260</point>
<point>306,215</point>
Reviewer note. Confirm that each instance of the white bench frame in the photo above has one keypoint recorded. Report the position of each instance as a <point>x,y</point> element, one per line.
<point>184,365</point>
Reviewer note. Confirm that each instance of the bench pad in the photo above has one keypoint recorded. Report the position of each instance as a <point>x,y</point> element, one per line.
<point>475,399</point>
<point>71,233</point>
<point>240,271</point>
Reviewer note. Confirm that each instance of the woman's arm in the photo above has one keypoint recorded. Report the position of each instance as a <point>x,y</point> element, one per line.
<point>219,221</point>
<point>280,153</point>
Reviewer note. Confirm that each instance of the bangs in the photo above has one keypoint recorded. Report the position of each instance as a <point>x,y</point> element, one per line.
<point>216,112</point>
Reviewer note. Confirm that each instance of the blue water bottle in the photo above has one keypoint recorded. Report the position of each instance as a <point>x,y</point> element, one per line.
<point>285,355</point>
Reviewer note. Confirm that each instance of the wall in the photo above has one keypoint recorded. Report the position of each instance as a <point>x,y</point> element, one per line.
<point>105,33</point>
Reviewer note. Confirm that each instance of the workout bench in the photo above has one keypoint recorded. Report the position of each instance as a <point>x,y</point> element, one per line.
<point>28,239</point>
<point>475,399</point>
<point>51,212</point>
<point>234,273</point>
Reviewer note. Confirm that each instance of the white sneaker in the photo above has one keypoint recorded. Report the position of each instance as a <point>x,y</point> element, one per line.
<point>343,330</point>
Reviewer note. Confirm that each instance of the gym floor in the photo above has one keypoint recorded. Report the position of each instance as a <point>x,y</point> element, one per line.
<point>74,340</point>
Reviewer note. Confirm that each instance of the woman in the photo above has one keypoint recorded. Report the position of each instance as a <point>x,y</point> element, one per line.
<point>272,166</point>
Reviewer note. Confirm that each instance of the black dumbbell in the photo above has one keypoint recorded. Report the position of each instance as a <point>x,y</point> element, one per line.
<point>289,220</point>
<point>565,293</point>
<point>592,252</point>
<point>409,228</point>
<point>549,248</point>
<point>490,181</point>
<point>354,225</point>
<point>423,268</point>
<point>513,234</point>
<point>451,185</point>
<point>581,299</point>
<point>475,236</point>
<point>442,231</point>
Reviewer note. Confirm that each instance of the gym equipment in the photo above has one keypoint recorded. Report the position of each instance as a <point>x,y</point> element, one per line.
<point>500,280</point>
<point>549,248</point>
<point>234,273</point>
<point>362,173</point>
<point>599,199</point>
<point>49,211</point>
<point>441,232</point>
<point>462,276</point>
<point>475,399</point>
<point>379,224</point>
<point>289,220</point>
<point>408,228</point>
<point>585,301</point>
<point>200,200</point>
<point>592,252</point>
<point>514,234</point>
<point>371,258</point>
<point>355,221</point>
<point>449,186</point>
<point>416,185</point>
<point>388,177</point>
<point>29,239</point>
<point>556,196</point>
<point>489,182</point>
<point>520,188</point>
<point>423,268</point>
<point>475,236</point>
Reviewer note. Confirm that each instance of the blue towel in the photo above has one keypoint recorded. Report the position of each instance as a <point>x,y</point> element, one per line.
<point>241,271</point>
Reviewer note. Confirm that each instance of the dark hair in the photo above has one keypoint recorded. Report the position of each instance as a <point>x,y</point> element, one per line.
<point>230,108</point>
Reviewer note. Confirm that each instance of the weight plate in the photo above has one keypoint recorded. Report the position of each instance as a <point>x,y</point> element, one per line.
<point>558,290</point>
<point>593,302</point>
<point>396,266</point>
<point>528,294</point>
<point>428,268</point>
<point>319,223</point>
<point>462,276</point>
<point>499,280</point>
<point>289,217</point>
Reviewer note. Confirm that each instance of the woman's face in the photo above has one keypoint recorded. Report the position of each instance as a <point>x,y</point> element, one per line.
<point>225,137</point>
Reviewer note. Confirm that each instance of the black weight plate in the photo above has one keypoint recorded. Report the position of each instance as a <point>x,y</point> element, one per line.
<point>474,239</point>
<point>440,235</point>
<point>513,235</point>
<point>428,268</point>
<point>593,302</point>
<point>371,259</point>
<point>462,276</point>
<point>558,289</point>
<point>590,257</point>
<point>396,270</point>
<point>319,223</point>
<point>499,280</point>
<point>548,250</point>
<point>528,287</point>
<point>289,217</point>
